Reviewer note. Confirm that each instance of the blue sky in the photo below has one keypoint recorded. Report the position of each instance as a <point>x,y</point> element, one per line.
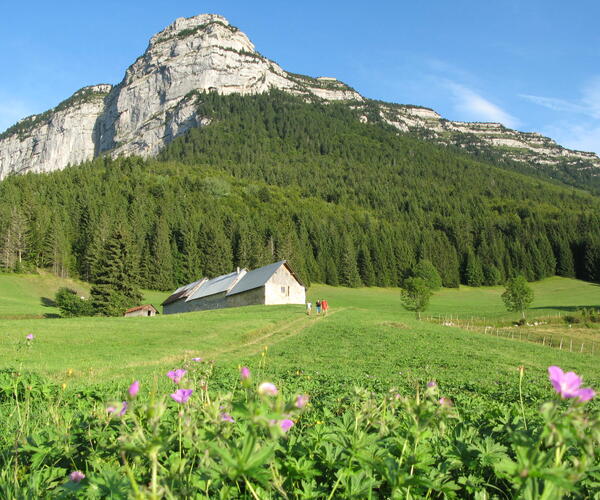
<point>530,64</point>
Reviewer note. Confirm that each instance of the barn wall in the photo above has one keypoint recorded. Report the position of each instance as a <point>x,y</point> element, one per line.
<point>215,301</point>
<point>248,298</point>
<point>277,291</point>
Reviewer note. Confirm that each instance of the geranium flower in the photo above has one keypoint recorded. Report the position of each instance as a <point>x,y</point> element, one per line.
<point>244,373</point>
<point>301,401</point>
<point>134,389</point>
<point>181,395</point>
<point>226,417</point>
<point>267,389</point>
<point>286,424</point>
<point>30,336</point>
<point>568,385</point>
<point>177,375</point>
<point>76,476</point>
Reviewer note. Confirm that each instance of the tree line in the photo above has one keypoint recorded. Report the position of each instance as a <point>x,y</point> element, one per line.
<point>274,177</point>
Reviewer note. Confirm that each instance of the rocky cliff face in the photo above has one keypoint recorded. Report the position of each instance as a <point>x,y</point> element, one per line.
<point>158,97</point>
<point>524,147</point>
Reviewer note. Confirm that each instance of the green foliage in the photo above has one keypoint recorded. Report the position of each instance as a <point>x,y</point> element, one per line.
<point>415,295</point>
<point>274,175</point>
<point>114,290</point>
<point>71,305</point>
<point>474,272</point>
<point>360,444</point>
<point>518,296</point>
<point>429,274</point>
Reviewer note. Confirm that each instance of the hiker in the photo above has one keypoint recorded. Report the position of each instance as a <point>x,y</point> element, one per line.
<point>318,304</point>
<point>308,308</point>
<point>324,306</point>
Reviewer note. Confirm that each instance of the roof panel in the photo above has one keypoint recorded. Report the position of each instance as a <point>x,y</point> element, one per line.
<point>182,292</point>
<point>256,278</point>
<point>216,285</point>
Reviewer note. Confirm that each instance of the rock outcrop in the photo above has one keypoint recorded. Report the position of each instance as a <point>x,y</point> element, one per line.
<point>158,101</point>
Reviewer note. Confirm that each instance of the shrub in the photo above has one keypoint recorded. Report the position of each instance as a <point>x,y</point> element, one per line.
<point>71,305</point>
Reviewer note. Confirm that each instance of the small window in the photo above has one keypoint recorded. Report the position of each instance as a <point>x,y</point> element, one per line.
<point>283,290</point>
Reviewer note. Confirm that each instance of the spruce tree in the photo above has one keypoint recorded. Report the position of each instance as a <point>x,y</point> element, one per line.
<point>114,290</point>
<point>473,271</point>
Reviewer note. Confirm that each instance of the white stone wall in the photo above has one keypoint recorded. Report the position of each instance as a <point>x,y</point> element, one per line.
<point>283,288</point>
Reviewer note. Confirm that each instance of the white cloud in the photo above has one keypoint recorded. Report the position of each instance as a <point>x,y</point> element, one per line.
<point>474,107</point>
<point>582,137</point>
<point>578,125</point>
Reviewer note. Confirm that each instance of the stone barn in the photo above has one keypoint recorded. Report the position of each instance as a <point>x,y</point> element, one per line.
<point>146,310</point>
<point>269,285</point>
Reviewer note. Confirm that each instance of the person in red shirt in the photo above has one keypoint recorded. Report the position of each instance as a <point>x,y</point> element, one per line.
<point>324,306</point>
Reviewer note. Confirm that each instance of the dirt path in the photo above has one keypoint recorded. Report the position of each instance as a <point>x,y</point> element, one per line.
<point>289,329</point>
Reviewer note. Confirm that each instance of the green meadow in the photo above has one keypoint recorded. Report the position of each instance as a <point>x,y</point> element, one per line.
<point>367,335</point>
<point>376,426</point>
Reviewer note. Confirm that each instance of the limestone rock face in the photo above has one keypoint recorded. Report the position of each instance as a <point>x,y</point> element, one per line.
<point>525,147</point>
<point>60,137</point>
<point>158,101</point>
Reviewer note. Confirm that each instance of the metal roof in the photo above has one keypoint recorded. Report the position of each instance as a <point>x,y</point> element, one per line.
<point>216,285</point>
<point>182,292</point>
<point>256,278</point>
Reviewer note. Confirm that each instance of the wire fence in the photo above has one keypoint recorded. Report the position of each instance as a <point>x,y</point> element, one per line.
<point>526,333</point>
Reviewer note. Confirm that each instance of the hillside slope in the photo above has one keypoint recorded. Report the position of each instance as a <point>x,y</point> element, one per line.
<point>276,177</point>
<point>158,98</point>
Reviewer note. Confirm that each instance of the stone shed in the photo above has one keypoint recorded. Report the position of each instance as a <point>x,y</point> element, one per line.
<point>145,310</point>
<point>273,284</point>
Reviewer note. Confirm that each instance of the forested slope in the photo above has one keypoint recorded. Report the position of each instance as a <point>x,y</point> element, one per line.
<point>273,177</point>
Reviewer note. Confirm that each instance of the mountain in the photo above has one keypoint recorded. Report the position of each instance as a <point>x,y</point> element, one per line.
<point>159,97</point>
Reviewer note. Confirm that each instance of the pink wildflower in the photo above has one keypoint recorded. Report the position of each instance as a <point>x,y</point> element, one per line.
<point>226,417</point>
<point>177,375</point>
<point>568,385</point>
<point>286,424</point>
<point>76,476</point>
<point>301,401</point>
<point>197,360</point>
<point>181,395</point>
<point>446,402</point>
<point>134,389</point>
<point>245,373</point>
<point>123,409</point>
<point>30,336</point>
<point>267,389</point>
<point>431,384</point>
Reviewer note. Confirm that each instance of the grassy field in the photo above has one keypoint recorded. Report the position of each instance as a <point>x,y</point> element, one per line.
<point>31,296</point>
<point>366,367</point>
<point>366,335</point>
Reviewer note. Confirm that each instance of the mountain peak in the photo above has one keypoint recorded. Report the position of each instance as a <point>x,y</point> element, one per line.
<point>158,98</point>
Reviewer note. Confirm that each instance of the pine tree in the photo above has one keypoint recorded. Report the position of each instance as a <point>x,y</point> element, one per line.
<point>162,257</point>
<point>114,290</point>
<point>349,271</point>
<point>473,271</point>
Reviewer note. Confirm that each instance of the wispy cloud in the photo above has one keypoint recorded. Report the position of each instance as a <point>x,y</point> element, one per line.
<point>578,125</point>
<point>474,107</point>
<point>556,104</point>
